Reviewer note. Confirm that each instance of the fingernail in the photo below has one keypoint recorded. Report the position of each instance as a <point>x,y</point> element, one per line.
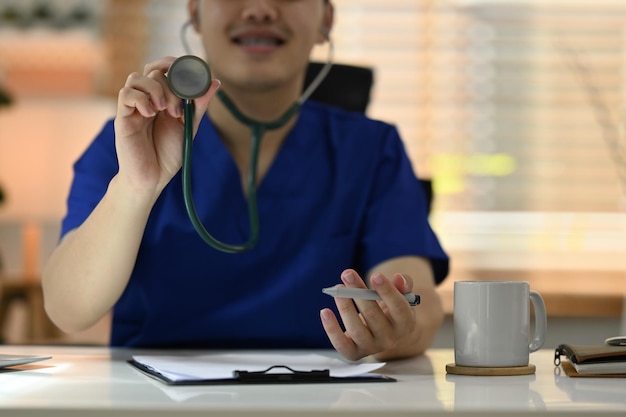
<point>325,314</point>
<point>377,280</point>
<point>406,283</point>
<point>348,277</point>
<point>219,84</point>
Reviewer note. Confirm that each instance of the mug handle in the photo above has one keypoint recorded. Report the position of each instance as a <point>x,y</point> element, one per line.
<point>541,321</point>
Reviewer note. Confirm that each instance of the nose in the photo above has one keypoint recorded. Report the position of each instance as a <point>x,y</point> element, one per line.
<point>260,11</point>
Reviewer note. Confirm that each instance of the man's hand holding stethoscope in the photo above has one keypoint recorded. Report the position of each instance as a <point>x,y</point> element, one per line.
<point>149,127</point>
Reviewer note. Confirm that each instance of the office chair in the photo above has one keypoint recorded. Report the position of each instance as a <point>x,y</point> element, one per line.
<point>345,86</point>
<point>349,87</point>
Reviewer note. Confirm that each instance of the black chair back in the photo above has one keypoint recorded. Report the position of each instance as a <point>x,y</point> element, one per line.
<point>345,86</point>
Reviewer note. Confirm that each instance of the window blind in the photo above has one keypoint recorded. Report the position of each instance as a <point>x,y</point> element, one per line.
<point>510,105</point>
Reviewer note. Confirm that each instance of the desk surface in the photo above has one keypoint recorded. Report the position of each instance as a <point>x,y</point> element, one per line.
<point>98,382</point>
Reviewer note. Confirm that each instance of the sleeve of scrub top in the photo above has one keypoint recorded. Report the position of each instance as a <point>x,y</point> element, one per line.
<point>396,222</point>
<point>92,173</point>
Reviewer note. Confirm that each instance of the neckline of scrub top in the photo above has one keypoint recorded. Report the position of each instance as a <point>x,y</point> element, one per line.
<point>282,173</point>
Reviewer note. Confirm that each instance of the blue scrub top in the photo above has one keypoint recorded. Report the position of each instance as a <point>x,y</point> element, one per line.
<point>340,194</point>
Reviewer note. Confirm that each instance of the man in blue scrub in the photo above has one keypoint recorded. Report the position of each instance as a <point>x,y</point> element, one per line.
<point>338,203</point>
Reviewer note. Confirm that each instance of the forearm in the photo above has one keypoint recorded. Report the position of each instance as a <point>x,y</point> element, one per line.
<point>90,268</point>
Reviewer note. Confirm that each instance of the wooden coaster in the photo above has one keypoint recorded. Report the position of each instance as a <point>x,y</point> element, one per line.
<point>452,368</point>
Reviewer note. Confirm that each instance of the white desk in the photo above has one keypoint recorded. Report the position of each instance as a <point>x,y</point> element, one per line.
<point>95,382</point>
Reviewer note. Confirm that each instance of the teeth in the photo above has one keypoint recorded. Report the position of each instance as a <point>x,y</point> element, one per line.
<point>258,41</point>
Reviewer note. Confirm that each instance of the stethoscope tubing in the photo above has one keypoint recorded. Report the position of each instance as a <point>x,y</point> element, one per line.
<point>257,130</point>
<point>253,213</point>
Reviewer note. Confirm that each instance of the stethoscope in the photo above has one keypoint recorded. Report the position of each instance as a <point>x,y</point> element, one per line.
<point>189,77</point>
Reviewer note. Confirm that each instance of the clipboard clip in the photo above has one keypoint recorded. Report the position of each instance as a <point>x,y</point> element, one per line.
<point>291,376</point>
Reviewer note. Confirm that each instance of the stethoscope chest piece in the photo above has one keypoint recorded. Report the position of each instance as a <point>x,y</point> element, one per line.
<point>189,77</point>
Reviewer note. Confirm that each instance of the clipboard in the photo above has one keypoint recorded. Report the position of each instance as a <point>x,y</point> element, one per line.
<point>7,360</point>
<point>287,375</point>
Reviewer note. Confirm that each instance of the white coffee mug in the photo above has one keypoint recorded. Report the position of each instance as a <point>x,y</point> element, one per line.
<point>492,323</point>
